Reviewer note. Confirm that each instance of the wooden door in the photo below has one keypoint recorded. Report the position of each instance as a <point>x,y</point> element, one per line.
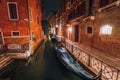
<point>76,33</point>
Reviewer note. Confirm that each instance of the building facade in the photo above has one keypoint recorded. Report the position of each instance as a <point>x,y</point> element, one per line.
<point>93,23</point>
<point>92,32</point>
<point>52,21</point>
<point>20,25</point>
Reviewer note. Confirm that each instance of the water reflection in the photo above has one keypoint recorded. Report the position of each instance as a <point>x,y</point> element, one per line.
<point>43,65</point>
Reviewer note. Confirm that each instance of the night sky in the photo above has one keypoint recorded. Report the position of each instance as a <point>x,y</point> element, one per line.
<point>51,5</point>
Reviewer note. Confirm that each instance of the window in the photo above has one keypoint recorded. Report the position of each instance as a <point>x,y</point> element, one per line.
<point>71,1</point>
<point>106,30</point>
<point>90,7</point>
<point>12,10</point>
<point>37,5</point>
<point>15,33</point>
<point>89,30</point>
<point>30,14</point>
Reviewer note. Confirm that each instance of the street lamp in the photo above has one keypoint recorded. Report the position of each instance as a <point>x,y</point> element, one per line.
<point>69,32</point>
<point>70,29</point>
<point>56,25</point>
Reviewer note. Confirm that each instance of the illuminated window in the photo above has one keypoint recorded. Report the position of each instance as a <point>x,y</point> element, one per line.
<point>70,29</point>
<point>106,30</point>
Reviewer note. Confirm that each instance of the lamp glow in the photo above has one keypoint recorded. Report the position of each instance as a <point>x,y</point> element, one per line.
<point>70,29</point>
<point>56,25</point>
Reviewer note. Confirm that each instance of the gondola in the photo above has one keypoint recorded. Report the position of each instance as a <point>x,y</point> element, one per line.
<point>74,66</point>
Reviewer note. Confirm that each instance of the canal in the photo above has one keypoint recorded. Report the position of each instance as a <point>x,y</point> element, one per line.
<point>43,65</point>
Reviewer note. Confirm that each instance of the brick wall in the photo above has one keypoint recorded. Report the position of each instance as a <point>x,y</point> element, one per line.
<point>111,43</point>
<point>86,38</point>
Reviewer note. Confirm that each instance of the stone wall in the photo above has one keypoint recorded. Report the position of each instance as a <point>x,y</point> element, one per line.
<point>85,38</point>
<point>107,43</point>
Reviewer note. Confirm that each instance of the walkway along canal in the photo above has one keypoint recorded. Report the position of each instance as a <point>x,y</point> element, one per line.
<point>44,66</point>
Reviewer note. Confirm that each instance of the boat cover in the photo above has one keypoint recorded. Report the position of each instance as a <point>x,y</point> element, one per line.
<point>71,64</point>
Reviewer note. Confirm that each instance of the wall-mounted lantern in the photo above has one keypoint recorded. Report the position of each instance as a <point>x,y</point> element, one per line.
<point>70,29</point>
<point>57,25</point>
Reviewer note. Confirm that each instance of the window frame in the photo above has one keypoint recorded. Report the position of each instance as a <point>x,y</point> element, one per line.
<point>15,31</point>
<point>9,10</point>
<point>87,30</point>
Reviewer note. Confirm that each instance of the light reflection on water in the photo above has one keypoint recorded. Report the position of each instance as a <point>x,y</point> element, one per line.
<point>44,65</point>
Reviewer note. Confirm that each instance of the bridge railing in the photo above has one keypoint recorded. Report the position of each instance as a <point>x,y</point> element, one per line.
<point>93,63</point>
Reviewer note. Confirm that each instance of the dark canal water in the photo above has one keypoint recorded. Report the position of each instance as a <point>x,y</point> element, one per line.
<point>44,66</point>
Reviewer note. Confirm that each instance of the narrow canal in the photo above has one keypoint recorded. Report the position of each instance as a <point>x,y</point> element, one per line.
<point>44,66</point>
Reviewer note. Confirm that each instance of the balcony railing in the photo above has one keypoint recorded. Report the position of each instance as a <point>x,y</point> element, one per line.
<point>93,63</point>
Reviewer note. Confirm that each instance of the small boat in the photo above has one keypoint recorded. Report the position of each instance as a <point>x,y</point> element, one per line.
<point>74,66</point>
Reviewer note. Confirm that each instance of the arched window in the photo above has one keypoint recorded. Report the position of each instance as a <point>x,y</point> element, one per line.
<point>89,30</point>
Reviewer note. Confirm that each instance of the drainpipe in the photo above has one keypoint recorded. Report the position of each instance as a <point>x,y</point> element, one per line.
<point>27,7</point>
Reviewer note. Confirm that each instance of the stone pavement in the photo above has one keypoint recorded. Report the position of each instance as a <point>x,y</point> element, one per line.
<point>104,57</point>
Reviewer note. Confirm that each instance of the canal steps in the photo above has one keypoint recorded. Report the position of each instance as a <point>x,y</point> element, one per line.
<point>5,62</point>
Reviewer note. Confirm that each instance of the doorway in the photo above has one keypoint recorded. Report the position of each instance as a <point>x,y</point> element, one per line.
<point>76,33</point>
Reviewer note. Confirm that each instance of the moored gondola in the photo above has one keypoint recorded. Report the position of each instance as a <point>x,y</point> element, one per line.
<point>74,66</point>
